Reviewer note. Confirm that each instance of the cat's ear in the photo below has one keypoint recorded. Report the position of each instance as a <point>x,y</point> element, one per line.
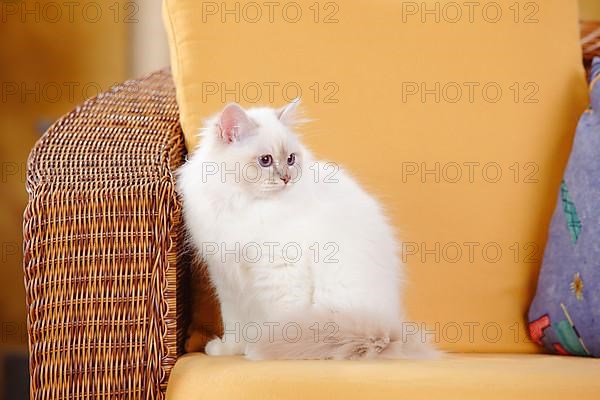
<point>289,115</point>
<point>234,123</point>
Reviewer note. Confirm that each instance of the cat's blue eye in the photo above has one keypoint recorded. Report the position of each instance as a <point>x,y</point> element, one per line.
<point>291,159</point>
<point>265,160</point>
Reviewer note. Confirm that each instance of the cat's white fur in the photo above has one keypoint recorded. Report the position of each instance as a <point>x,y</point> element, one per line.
<point>340,296</point>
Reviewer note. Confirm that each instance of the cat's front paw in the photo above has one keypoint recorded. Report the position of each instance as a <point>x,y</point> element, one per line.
<point>218,347</point>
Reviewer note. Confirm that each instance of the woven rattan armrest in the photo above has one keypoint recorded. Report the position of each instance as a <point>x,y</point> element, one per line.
<point>102,241</point>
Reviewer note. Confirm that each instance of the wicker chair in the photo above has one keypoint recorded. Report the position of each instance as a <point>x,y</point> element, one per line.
<point>103,259</point>
<point>590,41</point>
<point>105,267</point>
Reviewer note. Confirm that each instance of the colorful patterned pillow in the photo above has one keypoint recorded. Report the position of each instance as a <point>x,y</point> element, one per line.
<point>565,313</point>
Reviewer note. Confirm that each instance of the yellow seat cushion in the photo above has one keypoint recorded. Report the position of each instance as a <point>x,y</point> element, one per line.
<point>458,376</point>
<point>459,116</point>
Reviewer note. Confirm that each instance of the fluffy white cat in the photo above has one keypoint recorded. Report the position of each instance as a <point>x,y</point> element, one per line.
<point>303,260</point>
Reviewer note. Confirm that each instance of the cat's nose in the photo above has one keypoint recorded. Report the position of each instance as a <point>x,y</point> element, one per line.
<point>285,178</point>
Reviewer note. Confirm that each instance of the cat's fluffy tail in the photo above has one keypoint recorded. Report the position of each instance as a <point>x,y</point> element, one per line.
<point>335,337</point>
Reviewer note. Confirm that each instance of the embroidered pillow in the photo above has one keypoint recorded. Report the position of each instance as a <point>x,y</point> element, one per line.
<point>565,313</point>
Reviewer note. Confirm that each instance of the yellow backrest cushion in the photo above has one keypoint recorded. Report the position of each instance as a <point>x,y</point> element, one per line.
<point>457,115</point>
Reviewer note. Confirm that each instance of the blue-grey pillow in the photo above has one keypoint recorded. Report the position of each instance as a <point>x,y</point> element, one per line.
<point>565,313</point>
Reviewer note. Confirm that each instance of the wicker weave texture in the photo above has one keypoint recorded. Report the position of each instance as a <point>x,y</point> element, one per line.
<point>103,238</point>
<point>590,42</point>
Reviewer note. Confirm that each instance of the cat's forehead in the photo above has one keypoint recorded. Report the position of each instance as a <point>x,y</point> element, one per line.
<point>263,115</point>
<point>270,131</point>
<point>275,141</point>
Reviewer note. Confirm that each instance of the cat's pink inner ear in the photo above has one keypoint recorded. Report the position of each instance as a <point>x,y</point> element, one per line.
<point>287,114</point>
<point>234,123</point>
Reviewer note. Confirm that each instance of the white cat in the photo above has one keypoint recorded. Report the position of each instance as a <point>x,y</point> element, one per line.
<point>303,260</point>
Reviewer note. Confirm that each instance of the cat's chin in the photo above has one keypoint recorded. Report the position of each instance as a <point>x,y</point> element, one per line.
<point>272,189</point>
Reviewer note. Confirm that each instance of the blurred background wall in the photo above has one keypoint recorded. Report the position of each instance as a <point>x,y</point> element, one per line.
<point>53,55</point>
<point>590,9</point>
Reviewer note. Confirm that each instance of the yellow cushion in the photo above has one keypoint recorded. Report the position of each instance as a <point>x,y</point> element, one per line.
<point>383,90</point>
<point>460,376</point>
